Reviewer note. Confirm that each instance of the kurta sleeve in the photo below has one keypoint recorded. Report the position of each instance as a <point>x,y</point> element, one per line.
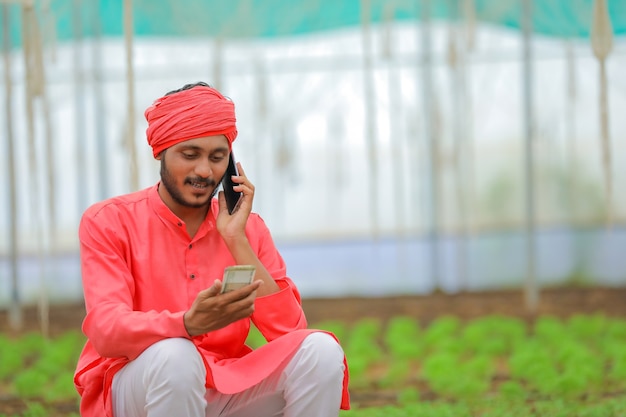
<point>279,313</point>
<point>111,325</point>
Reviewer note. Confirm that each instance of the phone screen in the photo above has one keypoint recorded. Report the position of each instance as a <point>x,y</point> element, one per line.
<point>232,196</point>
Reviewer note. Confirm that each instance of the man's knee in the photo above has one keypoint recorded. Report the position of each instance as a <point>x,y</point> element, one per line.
<point>325,345</point>
<point>170,371</point>
<point>324,353</point>
<point>176,360</point>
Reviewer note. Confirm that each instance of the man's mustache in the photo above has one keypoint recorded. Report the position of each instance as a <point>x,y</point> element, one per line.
<point>202,181</point>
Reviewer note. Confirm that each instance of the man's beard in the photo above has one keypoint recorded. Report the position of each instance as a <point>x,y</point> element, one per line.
<point>170,185</point>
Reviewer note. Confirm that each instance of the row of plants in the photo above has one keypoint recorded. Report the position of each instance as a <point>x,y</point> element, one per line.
<point>614,407</point>
<point>40,372</point>
<point>489,367</point>
<point>500,366</point>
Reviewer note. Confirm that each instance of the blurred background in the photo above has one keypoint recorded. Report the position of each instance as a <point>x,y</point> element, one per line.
<point>397,147</point>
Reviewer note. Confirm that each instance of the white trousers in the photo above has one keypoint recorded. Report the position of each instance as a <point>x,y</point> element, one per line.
<point>167,380</point>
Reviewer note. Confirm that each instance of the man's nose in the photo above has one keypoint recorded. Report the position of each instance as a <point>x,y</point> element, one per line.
<point>203,168</point>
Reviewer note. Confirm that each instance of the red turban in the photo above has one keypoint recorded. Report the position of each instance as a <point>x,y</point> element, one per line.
<point>189,114</point>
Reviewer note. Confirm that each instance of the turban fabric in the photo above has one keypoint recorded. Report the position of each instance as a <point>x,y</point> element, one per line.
<point>194,113</point>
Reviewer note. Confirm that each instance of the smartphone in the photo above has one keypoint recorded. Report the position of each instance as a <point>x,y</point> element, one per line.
<point>232,196</point>
<point>237,276</point>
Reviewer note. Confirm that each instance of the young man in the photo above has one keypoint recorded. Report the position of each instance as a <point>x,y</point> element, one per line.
<point>163,340</point>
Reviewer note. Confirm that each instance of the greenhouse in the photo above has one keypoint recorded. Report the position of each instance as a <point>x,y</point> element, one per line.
<point>403,152</point>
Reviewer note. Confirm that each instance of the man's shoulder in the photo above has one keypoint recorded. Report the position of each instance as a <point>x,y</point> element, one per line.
<point>120,203</point>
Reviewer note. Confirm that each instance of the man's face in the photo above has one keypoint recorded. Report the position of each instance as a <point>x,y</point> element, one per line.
<point>192,170</point>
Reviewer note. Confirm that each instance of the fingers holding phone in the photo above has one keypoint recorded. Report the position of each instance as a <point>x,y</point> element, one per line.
<point>213,309</point>
<point>237,276</point>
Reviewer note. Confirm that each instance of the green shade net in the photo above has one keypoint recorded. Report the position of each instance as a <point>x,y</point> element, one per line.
<point>230,19</point>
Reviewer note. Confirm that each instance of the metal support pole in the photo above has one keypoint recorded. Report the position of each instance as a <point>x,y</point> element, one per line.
<point>218,63</point>
<point>263,146</point>
<point>570,130</point>
<point>130,84</point>
<point>397,143</point>
<point>602,44</point>
<point>102,161</point>
<point>432,154</point>
<point>15,310</point>
<point>394,88</point>
<point>531,288</point>
<point>35,88</point>
<point>370,114</point>
<point>457,93</point>
<point>79,108</point>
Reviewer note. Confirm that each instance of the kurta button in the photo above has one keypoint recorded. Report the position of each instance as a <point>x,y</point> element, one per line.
<point>180,224</point>
<point>190,245</point>
<point>192,276</point>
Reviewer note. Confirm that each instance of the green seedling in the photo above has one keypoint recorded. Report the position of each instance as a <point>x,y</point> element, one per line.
<point>12,361</point>
<point>441,332</point>
<point>408,396</point>
<point>587,327</point>
<point>398,372</point>
<point>402,338</point>
<point>30,384</point>
<point>493,335</point>
<point>512,390</point>
<point>363,340</point>
<point>61,388</point>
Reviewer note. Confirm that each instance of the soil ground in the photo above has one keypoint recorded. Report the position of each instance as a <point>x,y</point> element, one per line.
<point>560,302</point>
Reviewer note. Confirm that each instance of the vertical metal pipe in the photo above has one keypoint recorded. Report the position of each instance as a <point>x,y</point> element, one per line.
<point>33,64</point>
<point>431,160</point>
<point>606,141</point>
<point>370,114</point>
<point>15,309</point>
<point>46,202</point>
<point>468,9</point>
<point>457,93</point>
<point>262,144</point>
<point>79,108</point>
<point>32,89</point>
<point>602,44</point>
<point>396,173</point>
<point>130,84</point>
<point>50,210</point>
<point>338,166</point>
<point>570,130</point>
<point>48,213</point>
<point>394,89</point>
<point>531,287</point>
<point>49,135</point>
<point>102,159</point>
<point>218,58</point>
<point>282,164</point>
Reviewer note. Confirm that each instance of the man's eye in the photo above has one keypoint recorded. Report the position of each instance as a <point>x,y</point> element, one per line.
<point>217,158</point>
<point>189,155</point>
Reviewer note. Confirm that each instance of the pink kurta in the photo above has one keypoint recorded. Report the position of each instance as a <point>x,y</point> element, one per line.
<point>141,272</point>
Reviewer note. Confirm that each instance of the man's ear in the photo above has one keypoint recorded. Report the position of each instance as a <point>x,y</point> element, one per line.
<point>160,155</point>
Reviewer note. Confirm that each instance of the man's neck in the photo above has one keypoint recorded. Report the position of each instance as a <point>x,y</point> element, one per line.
<point>192,216</point>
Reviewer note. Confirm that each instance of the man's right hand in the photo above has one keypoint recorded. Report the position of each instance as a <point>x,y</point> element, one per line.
<point>212,310</point>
